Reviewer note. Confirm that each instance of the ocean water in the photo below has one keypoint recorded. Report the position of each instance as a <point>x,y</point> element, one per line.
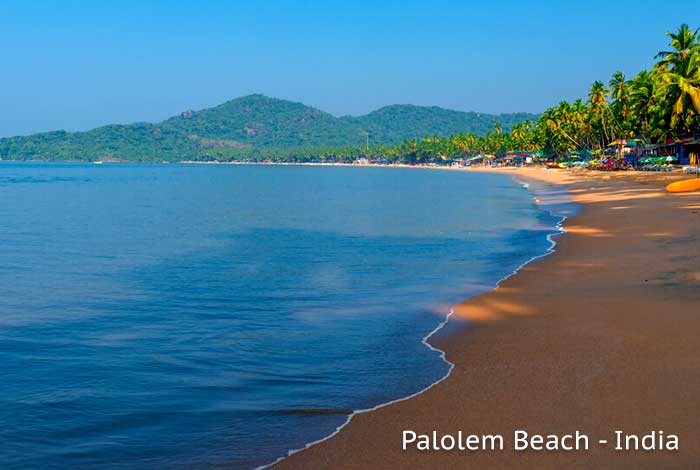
<point>171,316</point>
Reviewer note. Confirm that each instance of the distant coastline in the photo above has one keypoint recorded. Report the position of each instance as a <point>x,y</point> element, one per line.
<point>254,127</point>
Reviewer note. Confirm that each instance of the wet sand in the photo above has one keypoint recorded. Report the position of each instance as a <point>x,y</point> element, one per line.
<point>602,335</point>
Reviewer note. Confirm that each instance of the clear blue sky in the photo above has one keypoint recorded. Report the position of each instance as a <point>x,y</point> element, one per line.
<point>76,65</point>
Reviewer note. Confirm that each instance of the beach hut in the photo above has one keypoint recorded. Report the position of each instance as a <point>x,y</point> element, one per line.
<point>476,160</point>
<point>513,158</point>
<point>688,149</point>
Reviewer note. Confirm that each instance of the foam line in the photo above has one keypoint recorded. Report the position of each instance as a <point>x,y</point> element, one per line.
<point>559,230</point>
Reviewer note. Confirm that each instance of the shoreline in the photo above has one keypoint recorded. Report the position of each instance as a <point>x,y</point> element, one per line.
<point>370,440</point>
<point>557,229</point>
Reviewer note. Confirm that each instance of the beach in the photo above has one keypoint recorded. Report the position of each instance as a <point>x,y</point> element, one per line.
<point>600,336</point>
<point>265,319</point>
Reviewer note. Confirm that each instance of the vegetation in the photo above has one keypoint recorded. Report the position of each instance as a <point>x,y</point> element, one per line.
<point>252,127</point>
<point>654,106</point>
<point>393,124</point>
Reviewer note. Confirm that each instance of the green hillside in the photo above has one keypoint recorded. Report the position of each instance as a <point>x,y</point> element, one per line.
<point>396,123</point>
<point>259,121</point>
<point>251,125</point>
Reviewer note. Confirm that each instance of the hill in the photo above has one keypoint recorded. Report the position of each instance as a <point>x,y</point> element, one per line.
<point>396,123</point>
<point>250,125</point>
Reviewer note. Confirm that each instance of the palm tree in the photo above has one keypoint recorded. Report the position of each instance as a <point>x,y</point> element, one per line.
<point>683,42</point>
<point>528,140</point>
<point>465,143</point>
<point>679,73</point>
<point>619,92</point>
<point>599,107</point>
<point>642,101</point>
<point>559,126</point>
<point>518,133</point>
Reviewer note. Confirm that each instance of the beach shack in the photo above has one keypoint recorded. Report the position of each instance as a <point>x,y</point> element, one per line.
<point>513,158</point>
<point>688,150</point>
<point>479,160</point>
<point>625,148</point>
<point>658,150</point>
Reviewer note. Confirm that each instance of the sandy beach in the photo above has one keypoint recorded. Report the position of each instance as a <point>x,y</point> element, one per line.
<point>602,335</point>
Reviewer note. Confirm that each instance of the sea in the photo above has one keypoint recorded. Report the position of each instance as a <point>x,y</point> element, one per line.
<point>196,316</point>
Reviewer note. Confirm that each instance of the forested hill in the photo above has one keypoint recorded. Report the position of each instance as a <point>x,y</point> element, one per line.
<point>396,123</point>
<point>253,125</point>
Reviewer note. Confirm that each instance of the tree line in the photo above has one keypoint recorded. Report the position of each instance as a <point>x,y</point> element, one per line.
<point>655,105</point>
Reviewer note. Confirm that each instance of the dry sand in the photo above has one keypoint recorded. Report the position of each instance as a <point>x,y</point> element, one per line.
<point>602,335</point>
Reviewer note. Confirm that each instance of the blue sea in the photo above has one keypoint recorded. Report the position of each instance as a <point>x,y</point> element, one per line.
<point>174,316</point>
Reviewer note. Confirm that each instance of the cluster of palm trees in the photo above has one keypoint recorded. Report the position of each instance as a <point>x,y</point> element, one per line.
<point>654,106</point>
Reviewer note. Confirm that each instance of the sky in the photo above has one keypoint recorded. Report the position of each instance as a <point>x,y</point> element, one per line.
<point>78,65</point>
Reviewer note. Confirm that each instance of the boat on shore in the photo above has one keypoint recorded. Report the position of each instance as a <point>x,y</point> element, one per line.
<point>684,186</point>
